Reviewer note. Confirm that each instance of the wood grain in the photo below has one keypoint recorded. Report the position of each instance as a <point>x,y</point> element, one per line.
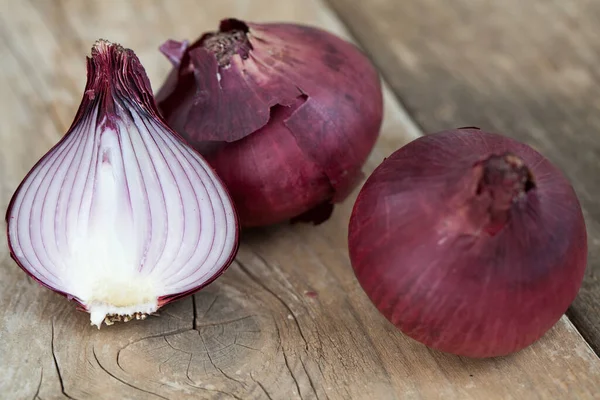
<point>286,321</point>
<point>525,69</point>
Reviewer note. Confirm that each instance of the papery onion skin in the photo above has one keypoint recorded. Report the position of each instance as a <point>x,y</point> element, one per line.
<point>101,188</point>
<point>429,256</point>
<point>286,114</point>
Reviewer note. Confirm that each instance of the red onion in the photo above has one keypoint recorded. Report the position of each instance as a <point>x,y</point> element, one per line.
<point>286,114</point>
<point>469,242</point>
<point>121,215</point>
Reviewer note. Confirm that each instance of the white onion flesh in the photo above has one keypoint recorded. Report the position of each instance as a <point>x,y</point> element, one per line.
<point>120,214</point>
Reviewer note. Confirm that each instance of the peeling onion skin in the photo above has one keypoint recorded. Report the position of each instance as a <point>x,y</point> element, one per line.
<point>121,215</point>
<point>454,264</point>
<point>286,114</point>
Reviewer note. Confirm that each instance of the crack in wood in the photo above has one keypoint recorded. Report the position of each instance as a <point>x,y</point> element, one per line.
<point>37,392</point>
<point>321,360</point>
<point>209,307</point>
<point>310,381</point>
<point>243,345</point>
<point>163,335</point>
<point>279,272</point>
<point>60,378</point>
<point>262,387</point>
<point>215,365</point>
<point>187,370</point>
<point>194,313</point>
<point>364,329</point>
<point>175,348</point>
<point>279,344</point>
<point>161,364</point>
<point>292,374</point>
<point>223,345</point>
<point>122,380</point>
<point>172,315</point>
<point>225,322</point>
<point>215,391</point>
<point>287,307</point>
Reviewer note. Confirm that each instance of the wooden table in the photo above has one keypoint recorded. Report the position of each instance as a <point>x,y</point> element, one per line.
<point>288,319</point>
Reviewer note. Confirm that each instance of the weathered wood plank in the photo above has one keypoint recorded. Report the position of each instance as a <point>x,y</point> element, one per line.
<point>526,69</point>
<point>286,321</point>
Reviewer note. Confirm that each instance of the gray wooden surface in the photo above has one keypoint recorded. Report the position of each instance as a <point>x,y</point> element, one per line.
<point>288,319</point>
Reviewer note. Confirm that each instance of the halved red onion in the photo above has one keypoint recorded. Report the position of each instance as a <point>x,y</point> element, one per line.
<point>121,216</point>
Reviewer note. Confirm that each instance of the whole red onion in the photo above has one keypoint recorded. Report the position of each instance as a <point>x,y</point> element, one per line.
<point>286,114</point>
<point>469,242</point>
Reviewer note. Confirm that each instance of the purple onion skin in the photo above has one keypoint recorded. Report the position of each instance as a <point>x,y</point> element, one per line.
<point>470,261</point>
<point>289,124</point>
